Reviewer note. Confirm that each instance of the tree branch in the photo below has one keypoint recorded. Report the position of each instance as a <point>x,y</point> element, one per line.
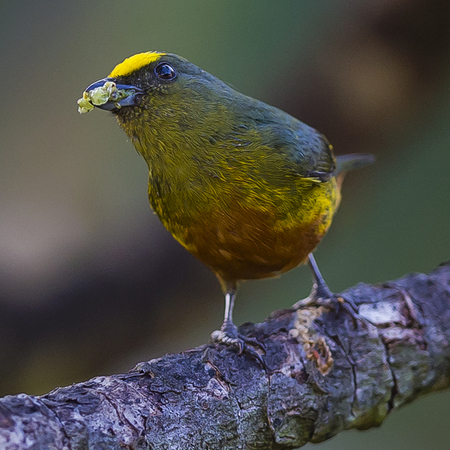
<point>325,372</point>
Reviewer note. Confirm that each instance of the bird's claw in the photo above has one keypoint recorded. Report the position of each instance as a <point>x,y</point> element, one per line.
<point>347,304</point>
<point>332,302</point>
<point>229,336</point>
<point>329,301</point>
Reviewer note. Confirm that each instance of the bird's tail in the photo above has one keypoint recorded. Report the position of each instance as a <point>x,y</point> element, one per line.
<point>353,161</point>
<point>344,163</point>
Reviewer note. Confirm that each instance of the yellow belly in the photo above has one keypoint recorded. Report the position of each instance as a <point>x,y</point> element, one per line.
<point>246,252</point>
<point>242,240</point>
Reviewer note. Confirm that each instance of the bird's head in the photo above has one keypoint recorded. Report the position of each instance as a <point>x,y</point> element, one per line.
<point>155,85</point>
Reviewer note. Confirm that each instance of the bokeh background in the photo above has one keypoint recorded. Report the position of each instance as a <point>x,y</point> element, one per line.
<point>91,283</point>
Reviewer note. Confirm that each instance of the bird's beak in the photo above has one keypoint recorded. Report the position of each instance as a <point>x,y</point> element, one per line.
<point>106,94</point>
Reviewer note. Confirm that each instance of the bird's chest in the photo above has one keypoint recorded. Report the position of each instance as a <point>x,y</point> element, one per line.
<point>241,231</point>
<point>181,199</point>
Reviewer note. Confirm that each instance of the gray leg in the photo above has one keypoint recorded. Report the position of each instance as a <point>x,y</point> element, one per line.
<point>320,288</point>
<point>228,333</point>
<point>321,294</point>
<point>230,297</point>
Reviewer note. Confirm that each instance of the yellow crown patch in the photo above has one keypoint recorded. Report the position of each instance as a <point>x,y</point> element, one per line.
<point>134,63</point>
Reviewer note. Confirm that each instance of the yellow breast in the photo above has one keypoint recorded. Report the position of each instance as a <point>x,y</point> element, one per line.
<point>257,236</point>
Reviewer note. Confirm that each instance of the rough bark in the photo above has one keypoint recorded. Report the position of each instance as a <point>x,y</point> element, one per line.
<point>325,372</point>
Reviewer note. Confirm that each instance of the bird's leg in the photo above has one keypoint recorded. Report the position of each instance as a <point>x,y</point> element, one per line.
<point>228,333</point>
<point>320,288</point>
<point>321,294</point>
<point>228,328</point>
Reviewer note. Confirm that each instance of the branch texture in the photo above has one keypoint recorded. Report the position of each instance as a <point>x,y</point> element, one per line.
<point>325,372</point>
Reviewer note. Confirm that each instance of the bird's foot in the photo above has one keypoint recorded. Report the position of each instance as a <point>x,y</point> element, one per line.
<point>321,296</point>
<point>229,335</point>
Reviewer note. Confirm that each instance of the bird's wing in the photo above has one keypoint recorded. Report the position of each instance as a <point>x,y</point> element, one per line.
<point>316,160</point>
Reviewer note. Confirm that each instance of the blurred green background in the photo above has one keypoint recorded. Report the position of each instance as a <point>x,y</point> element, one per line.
<point>91,283</point>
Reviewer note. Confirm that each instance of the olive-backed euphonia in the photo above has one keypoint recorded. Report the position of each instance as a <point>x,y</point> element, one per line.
<point>245,187</point>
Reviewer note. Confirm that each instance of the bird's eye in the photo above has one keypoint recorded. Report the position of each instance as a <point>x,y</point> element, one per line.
<point>165,71</point>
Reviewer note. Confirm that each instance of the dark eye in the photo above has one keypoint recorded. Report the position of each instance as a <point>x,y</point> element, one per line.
<point>165,71</point>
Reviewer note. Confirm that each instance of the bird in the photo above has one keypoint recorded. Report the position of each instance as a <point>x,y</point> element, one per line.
<point>244,186</point>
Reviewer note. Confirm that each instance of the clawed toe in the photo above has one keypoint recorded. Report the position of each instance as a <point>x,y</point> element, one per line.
<point>253,341</point>
<point>229,335</point>
<point>322,296</point>
<point>332,302</point>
